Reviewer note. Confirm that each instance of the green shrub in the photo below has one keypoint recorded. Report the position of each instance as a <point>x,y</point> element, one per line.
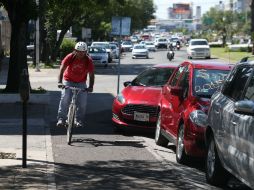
<point>240,49</point>
<point>66,47</point>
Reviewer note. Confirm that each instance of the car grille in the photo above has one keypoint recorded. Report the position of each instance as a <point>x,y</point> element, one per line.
<point>200,49</point>
<point>96,57</point>
<point>129,109</point>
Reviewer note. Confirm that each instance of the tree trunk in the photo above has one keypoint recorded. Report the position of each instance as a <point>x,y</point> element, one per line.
<point>18,59</point>
<point>44,46</point>
<point>55,51</point>
<point>252,25</point>
<point>224,37</point>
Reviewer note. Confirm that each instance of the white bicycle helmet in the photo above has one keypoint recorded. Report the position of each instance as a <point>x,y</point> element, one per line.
<point>81,46</point>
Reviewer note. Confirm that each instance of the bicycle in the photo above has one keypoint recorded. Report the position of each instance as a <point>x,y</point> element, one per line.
<point>72,111</point>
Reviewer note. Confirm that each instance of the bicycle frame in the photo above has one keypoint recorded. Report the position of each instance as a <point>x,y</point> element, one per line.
<point>72,111</point>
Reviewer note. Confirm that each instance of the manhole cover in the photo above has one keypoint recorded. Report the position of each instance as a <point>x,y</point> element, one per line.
<point>4,155</point>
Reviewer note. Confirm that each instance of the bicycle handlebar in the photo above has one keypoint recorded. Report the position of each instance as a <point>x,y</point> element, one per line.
<point>73,88</point>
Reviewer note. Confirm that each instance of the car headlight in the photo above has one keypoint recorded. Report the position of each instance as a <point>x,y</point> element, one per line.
<point>120,98</point>
<point>199,118</point>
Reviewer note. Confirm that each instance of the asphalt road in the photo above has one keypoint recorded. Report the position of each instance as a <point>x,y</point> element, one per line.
<point>102,159</point>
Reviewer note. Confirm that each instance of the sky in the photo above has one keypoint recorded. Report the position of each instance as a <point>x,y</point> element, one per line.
<point>164,4</point>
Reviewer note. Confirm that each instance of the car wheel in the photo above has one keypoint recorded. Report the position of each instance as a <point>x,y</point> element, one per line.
<point>215,173</point>
<point>159,138</point>
<point>181,156</point>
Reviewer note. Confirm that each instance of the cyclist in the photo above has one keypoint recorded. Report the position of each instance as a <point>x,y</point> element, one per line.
<point>73,72</point>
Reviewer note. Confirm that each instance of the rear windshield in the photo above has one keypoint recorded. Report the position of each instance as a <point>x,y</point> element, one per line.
<point>207,81</point>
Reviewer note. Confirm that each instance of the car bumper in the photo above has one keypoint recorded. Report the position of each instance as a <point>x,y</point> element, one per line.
<point>200,54</point>
<point>139,54</point>
<point>127,120</point>
<point>100,62</point>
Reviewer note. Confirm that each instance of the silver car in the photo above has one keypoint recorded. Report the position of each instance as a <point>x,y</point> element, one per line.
<point>230,131</point>
<point>99,55</point>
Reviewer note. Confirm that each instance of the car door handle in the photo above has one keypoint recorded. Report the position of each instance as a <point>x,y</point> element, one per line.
<point>234,123</point>
<point>216,111</point>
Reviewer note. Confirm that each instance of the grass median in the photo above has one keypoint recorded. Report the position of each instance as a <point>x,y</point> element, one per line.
<point>231,57</point>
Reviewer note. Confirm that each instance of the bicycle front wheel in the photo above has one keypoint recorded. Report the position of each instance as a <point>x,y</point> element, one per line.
<point>71,116</point>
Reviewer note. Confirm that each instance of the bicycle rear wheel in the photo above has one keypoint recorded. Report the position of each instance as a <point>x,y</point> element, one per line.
<point>71,116</point>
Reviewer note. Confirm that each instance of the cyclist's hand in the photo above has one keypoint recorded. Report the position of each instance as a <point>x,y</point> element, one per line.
<point>90,89</point>
<point>60,85</point>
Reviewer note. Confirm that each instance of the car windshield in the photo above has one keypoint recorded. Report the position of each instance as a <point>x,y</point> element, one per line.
<point>96,50</point>
<point>196,43</point>
<point>207,81</point>
<point>174,39</point>
<point>149,43</point>
<point>153,77</point>
<point>139,47</point>
<point>101,45</point>
<point>127,43</point>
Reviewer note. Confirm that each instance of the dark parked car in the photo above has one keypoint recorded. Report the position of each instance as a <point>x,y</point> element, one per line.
<point>230,130</point>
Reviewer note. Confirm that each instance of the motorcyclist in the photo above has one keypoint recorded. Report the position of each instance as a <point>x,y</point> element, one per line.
<point>171,48</point>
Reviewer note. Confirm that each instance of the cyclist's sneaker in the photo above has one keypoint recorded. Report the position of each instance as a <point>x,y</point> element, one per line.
<point>78,124</point>
<point>60,123</point>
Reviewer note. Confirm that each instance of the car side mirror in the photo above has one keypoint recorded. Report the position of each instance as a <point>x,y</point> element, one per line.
<point>245,107</point>
<point>177,91</point>
<point>127,83</point>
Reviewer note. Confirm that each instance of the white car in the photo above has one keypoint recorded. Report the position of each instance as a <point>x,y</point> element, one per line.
<point>127,46</point>
<point>140,50</point>
<point>161,43</point>
<point>198,48</point>
<point>150,46</point>
<point>106,46</point>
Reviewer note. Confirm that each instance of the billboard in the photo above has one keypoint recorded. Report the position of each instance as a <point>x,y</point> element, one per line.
<point>181,8</point>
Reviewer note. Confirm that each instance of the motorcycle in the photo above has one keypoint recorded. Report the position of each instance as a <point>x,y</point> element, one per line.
<point>170,55</point>
<point>178,46</point>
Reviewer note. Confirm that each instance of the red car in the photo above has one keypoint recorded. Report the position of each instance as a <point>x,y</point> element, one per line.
<point>184,105</point>
<point>138,103</point>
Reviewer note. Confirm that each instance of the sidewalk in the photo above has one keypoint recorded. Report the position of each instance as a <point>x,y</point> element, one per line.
<point>39,173</point>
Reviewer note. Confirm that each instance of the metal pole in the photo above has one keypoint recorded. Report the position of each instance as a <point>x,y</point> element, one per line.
<point>24,139</point>
<point>37,42</point>
<point>119,60</point>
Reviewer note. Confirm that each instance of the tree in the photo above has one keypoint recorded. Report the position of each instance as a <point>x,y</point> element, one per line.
<point>19,12</point>
<point>94,14</point>
<point>221,22</point>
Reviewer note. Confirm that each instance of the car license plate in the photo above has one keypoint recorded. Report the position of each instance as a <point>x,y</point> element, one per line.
<point>141,116</point>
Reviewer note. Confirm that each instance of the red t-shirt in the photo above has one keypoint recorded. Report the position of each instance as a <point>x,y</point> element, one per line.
<point>77,69</point>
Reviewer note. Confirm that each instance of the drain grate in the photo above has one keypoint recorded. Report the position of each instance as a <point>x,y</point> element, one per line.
<point>4,155</point>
